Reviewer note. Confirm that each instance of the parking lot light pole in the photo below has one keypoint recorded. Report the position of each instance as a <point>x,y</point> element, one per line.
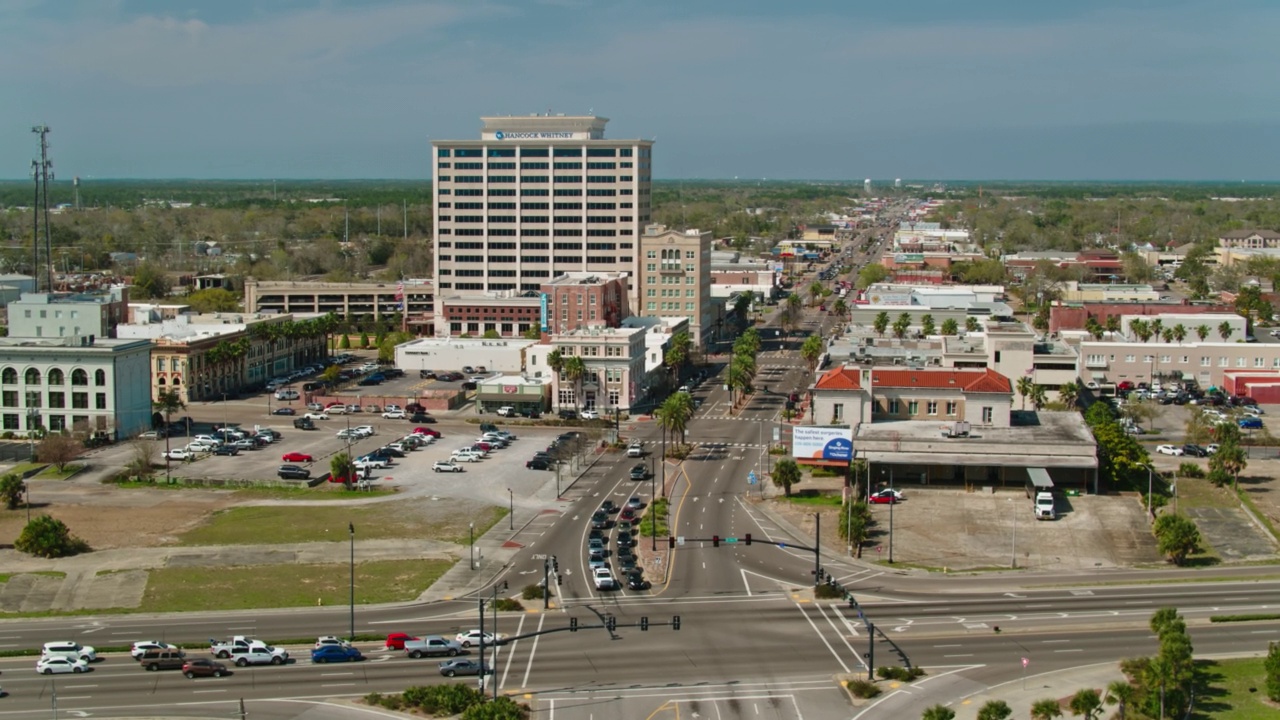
<point>1151,510</point>
<point>472,544</point>
<point>653,496</point>
<point>511,509</point>
<point>351,529</point>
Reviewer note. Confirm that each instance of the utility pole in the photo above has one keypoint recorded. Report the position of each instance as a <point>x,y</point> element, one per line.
<point>35,226</point>
<point>46,174</point>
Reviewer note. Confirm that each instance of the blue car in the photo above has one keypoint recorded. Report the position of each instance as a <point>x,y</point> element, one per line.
<point>1248,423</point>
<point>335,653</point>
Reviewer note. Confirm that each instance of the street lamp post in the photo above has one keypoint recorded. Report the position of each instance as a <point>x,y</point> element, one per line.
<point>351,529</point>
<point>892,502</point>
<point>511,509</point>
<point>1151,510</point>
<point>653,496</point>
<point>472,544</point>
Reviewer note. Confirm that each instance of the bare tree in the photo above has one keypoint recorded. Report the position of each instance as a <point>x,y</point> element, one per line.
<point>59,449</point>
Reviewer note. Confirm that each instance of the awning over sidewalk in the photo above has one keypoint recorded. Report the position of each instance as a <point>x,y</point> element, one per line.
<point>975,460</point>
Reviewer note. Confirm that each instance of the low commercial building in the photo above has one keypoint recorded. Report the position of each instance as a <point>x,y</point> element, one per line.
<point>55,315</point>
<point>1263,387</point>
<point>75,383</point>
<point>1108,362</point>
<point>1073,316</point>
<point>522,393</point>
<point>472,316</point>
<point>614,360</point>
<point>1250,239</point>
<point>507,355</point>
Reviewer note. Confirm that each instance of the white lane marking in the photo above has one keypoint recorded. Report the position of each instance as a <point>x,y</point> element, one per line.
<point>197,692</point>
<point>745,584</point>
<point>533,649</point>
<point>1070,650</point>
<point>85,697</point>
<point>511,652</point>
<point>77,687</point>
<point>335,684</point>
<point>821,637</point>
<point>336,674</point>
<point>961,655</point>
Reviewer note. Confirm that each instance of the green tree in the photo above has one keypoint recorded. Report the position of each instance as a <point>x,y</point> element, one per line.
<point>1046,709</point>
<point>387,348</point>
<point>786,475</point>
<point>1202,332</point>
<point>1121,694</point>
<point>1179,332</point>
<point>971,324</point>
<point>1025,385</point>
<point>881,323</point>
<point>213,300</point>
<point>949,327</point>
<point>811,350</point>
<point>1272,668</point>
<point>870,275</point>
<point>47,537</point>
<point>491,334</point>
<point>855,525</point>
<point>344,342</point>
<point>815,292</point>
<point>674,413</point>
<point>792,311</point>
<point>1038,397</point>
<point>1112,324</point>
<point>364,339</point>
<point>1230,458</point>
<point>927,326</point>
<point>167,403</point>
<point>1085,703</point>
<point>938,712</point>
<point>573,369</point>
<point>1069,394</point>
<point>1225,330</point>
<point>1177,537</point>
<point>555,361</point>
<point>341,466</point>
<point>11,489</point>
<point>995,710</point>
<point>331,374</point>
<point>902,325</point>
<point>150,282</point>
<point>841,308</point>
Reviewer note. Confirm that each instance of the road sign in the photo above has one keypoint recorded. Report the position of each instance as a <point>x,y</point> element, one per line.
<point>751,478</point>
<point>731,540</point>
<point>679,539</point>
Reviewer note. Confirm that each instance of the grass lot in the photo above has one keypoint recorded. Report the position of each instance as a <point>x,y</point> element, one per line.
<point>26,466</point>
<point>1228,697</point>
<point>51,472</point>
<point>4,577</point>
<point>1194,492</point>
<point>284,524</point>
<point>276,586</point>
<point>824,500</point>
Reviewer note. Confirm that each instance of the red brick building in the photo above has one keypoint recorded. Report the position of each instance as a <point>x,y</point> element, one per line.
<point>1073,317</point>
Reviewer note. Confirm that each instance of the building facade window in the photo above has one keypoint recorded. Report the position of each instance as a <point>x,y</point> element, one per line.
<point>987,415</point>
<point>951,408</point>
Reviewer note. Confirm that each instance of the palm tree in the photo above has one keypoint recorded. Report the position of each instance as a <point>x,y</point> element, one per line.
<point>811,350</point>
<point>1138,327</point>
<point>167,402</point>
<point>1086,703</point>
<point>677,353</point>
<point>1069,393</point>
<point>1121,694</point>
<point>791,313</point>
<point>1167,335</point>
<point>1037,397</point>
<point>902,325</point>
<point>786,473</point>
<point>927,326</point>
<point>341,466</point>
<point>1202,332</point>
<point>574,369</point>
<point>815,292</point>
<point>1113,324</point>
<point>674,413</point>
<point>881,323</point>
<point>1157,328</point>
<point>971,324</point>
<point>950,327</point>
<point>1024,387</point>
<point>1225,330</point>
<point>938,712</point>
<point>1046,709</point>
<point>1179,332</point>
<point>841,308</point>
<point>555,361</point>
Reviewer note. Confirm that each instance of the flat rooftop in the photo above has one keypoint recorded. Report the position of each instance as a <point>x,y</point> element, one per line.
<point>1037,439</point>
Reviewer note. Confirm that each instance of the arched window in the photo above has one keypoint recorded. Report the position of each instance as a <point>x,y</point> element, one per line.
<point>79,377</point>
<point>160,381</point>
<point>56,377</point>
<point>9,376</point>
<point>177,380</point>
<point>33,376</point>
<point>100,377</point>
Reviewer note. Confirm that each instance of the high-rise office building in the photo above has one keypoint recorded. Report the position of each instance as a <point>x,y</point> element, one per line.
<point>536,197</point>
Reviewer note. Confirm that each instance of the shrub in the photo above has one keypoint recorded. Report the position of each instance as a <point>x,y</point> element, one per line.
<point>828,592</point>
<point>1219,477</point>
<point>448,699</point>
<point>503,708</point>
<point>508,605</point>
<point>1190,470</point>
<point>900,674</point>
<point>1272,667</point>
<point>533,592</point>
<point>863,688</point>
<point>47,537</point>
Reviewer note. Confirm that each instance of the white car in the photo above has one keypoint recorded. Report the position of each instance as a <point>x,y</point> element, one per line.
<point>465,455</point>
<point>316,416</point>
<point>363,430</point>
<point>472,637</point>
<point>346,434</point>
<point>69,649</point>
<point>59,664</point>
<point>603,578</point>
<point>370,462</point>
<point>1169,449</point>
<point>1212,448</point>
<point>394,415</point>
<point>324,640</point>
<point>446,466</point>
<point>142,646</point>
<point>589,415</point>
<point>337,409</point>
<point>635,449</point>
<point>183,453</point>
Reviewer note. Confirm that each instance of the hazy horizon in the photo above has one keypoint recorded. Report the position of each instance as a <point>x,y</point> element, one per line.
<point>826,90</point>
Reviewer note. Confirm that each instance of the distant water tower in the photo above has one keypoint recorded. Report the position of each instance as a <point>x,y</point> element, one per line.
<point>866,185</point>
<point>897,183</point>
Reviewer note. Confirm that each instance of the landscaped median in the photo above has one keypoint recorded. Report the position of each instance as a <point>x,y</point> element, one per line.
<point>660,509</point>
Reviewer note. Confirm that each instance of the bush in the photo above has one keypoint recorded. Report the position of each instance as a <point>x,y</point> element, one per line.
<point>508,605</point>
<point>1272,667</point>
<point>1190,470</point>
<point>900,674</point>
<point>863,688</point>
<point>533,592</point>
<point>827,592</point>
<point>1219,477</point>
<point>46,537</point>
<point>448,699</point>
<point>504,708</point>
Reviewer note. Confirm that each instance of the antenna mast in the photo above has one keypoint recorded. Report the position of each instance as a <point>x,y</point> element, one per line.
<point>45,170</point>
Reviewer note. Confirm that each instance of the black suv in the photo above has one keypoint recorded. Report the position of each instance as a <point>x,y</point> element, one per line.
<point>567,414</point>
<point>293,472</point>
<point>639,472</point>
<point>421,418</point>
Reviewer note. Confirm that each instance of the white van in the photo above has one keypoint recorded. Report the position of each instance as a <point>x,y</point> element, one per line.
<point>286,394</point>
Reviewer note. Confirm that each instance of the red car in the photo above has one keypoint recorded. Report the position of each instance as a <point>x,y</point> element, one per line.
<point>427,431</point>
<point>296,457</point>
<point>886,497</point>
<point>395,641</point>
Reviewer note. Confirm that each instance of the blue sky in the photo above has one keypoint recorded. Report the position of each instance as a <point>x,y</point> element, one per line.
<point>817,89</point>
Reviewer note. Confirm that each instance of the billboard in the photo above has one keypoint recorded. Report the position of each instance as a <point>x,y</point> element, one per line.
<point>821,442</point>
<point>544,320</point>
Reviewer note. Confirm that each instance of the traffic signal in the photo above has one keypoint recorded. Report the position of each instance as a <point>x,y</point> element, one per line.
<point>611,623</point>
<point>675,622</point>
<point>748,538</point>
<point>715,541</point>
<point>555,564</point>
<point>559,579</point>
<point>573,624</point>
<point>644,623</point>
<point>671,542</point>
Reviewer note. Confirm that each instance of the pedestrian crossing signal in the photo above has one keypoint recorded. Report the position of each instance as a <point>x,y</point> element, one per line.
<point>671,542</point>
<point>715,541</point>
<point>748,538</point>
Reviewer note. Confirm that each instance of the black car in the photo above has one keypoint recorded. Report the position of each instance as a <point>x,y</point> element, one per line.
<point>538,463</point>
<point>1194,451</point>
<point>608,506</point>
<point>284,411</point>
<point>226,449</point>
<point>639,472</point>
<point>568,414</point>
<point>531,414</point>
<point>625,539</point>
<point>600,520</point>
<point>392,452</point>
<point>423,418</point>
<point>372,380</point>
<point>393,372</point>
<point>426,375</point>
<point>636,582</point>
<point>293,472</point>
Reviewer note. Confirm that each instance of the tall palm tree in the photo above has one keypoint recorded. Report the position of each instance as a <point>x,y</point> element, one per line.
<point>167,402</point>
<point>1179,332</point>
<point>1069,393</point>
<point>1225,330</point>
<point>971,324</point>
<point>1024,387</point>
<point>574,369</point>
<point>1121,694</point>
<point>674,414</point>
<point>1037,397</point>
<point>1046,709</point>
<point>841,308</point>
<point>811,350</point>
<point>1113,324</point>
<point>815,292</point>
<point>555,361</point>
<point>1202,332</point>
<point>881,323</point>
<point>1157,328</point>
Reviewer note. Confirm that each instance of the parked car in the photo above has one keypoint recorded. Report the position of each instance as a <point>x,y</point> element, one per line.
<point>293,472</point>
<point>316,416</point>
<point>446,466</point>
<point>421,417</point>
<point>180,454</point>
<point>538,463</point>
<point>284,411</point>
<point>394,415</point>
<point>1250,423</point>
<point>568,414</point>
<point>427,431</point>
<point>335,653</point>
<point>1169,449</point>
<point>295,457</point>
<point>887,496</point>
<point>1194,451</point>
<point>231,450</point>
<point>590,415</point>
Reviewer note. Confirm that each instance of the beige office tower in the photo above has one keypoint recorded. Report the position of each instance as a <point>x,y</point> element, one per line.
<point>536,197</point>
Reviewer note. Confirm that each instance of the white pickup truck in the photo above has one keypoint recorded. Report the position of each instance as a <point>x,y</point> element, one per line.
<point>223,648</point>
<point>259,654</point>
